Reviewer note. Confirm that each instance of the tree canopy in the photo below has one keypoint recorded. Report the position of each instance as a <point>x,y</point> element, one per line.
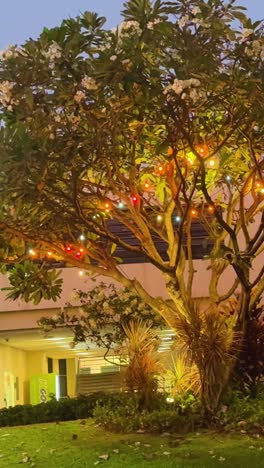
<point>153,124</point>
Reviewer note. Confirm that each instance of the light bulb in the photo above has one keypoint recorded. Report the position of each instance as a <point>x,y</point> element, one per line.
<point>177,219</point>
<point>228,178</point>
<point>32,252</point>
<point>82,237</point>
<point>212,163</point>
<point>120,205</point>
<point>81,273</point>
<point>159,218</point>
<point>49,254</point>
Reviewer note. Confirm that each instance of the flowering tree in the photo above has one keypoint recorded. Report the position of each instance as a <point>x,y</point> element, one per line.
<point>148,126</point>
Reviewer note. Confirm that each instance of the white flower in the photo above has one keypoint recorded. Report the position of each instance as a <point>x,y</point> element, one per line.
<point>6,98</point>
<point>245,33</point>
<point>151,24</point>
<point>79,96</point>
<point>182,22</point>
<point>178,86</point>
<point>89,83</point>
<point>11,52</point>
<point>54,52</point>
<point>127,27</point>
<point>196,10</point>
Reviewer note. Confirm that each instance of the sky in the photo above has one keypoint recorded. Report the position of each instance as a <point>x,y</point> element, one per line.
<point>21,19</point>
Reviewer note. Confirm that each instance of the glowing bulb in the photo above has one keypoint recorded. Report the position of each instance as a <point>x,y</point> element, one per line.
<point>194,212</point>
<point>120,205</point>
<point>82,237</point>
<point>159,218</point>
<point>262,191</point>
<point>146,186</point>
<point>211,209</point>
<point>81,250</point>
<point>202,150</point>
<point>228,178</point>
<point>49,254</point>
<point>177,219</point>
<point>68,249</point>
<point>135,200</point>
<point>78,254</point>
<point>212,163</point>
<point>32,252</point>
<point>107,205</point>
<point>81,273</point>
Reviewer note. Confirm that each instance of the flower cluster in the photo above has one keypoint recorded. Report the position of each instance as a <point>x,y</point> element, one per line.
<point>127,27</point>
<point>186,89</point>
<point>53,53</point>
<point>151,24</point>
<point>11,52</point>
<point>255,49</point>
<point>245,34</point>
<point>89,83</point>
<point>6,98</point>
<point>178,86</point>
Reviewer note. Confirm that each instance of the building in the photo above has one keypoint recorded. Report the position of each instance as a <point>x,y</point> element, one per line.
<point>27,356</point>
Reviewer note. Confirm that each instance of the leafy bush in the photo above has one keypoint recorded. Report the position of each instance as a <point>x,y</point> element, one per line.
<point>62,410</point>
<point>182,415</point>
<point>244,412</point>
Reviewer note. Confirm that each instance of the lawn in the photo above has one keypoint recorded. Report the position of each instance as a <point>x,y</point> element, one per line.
<point>79,444</point>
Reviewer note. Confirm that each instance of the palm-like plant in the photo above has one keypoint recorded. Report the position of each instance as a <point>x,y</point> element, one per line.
<point>182,375</point>
<point>144,362</point>
<point>211,343</point>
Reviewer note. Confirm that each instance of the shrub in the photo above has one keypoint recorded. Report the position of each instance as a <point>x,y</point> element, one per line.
<point>63,410</point>
<point>243,412</point>
<point>182,415</point>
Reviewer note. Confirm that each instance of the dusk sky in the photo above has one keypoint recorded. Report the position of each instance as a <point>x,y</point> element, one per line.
<point>21,19</point>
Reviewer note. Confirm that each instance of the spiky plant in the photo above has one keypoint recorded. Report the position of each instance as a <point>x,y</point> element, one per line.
<point>144,364</point>
<point>211,343</point>
<point>182,375</point>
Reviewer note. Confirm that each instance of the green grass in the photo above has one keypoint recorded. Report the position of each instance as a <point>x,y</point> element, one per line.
<point>72,444</point>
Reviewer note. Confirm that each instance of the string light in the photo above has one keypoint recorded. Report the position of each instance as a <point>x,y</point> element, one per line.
<point>120,205</point>
<point>211,209</point>
<point>32,252</point>
<point>49,254</point>
<point>161,169</point>
<point>134,200</point>
<point>69,248</point>
<point>202,150</point>
<point>82,237</point>
<point>177,219</point>
<point>194,212</point>
<point>146,185</point>
<point>81,273</point>
<point>81,250</point>
<point>107,207</point>
<point>228,178</point>
<point>159,218</point>
<point>212,162</point>
<point>78,254</point>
